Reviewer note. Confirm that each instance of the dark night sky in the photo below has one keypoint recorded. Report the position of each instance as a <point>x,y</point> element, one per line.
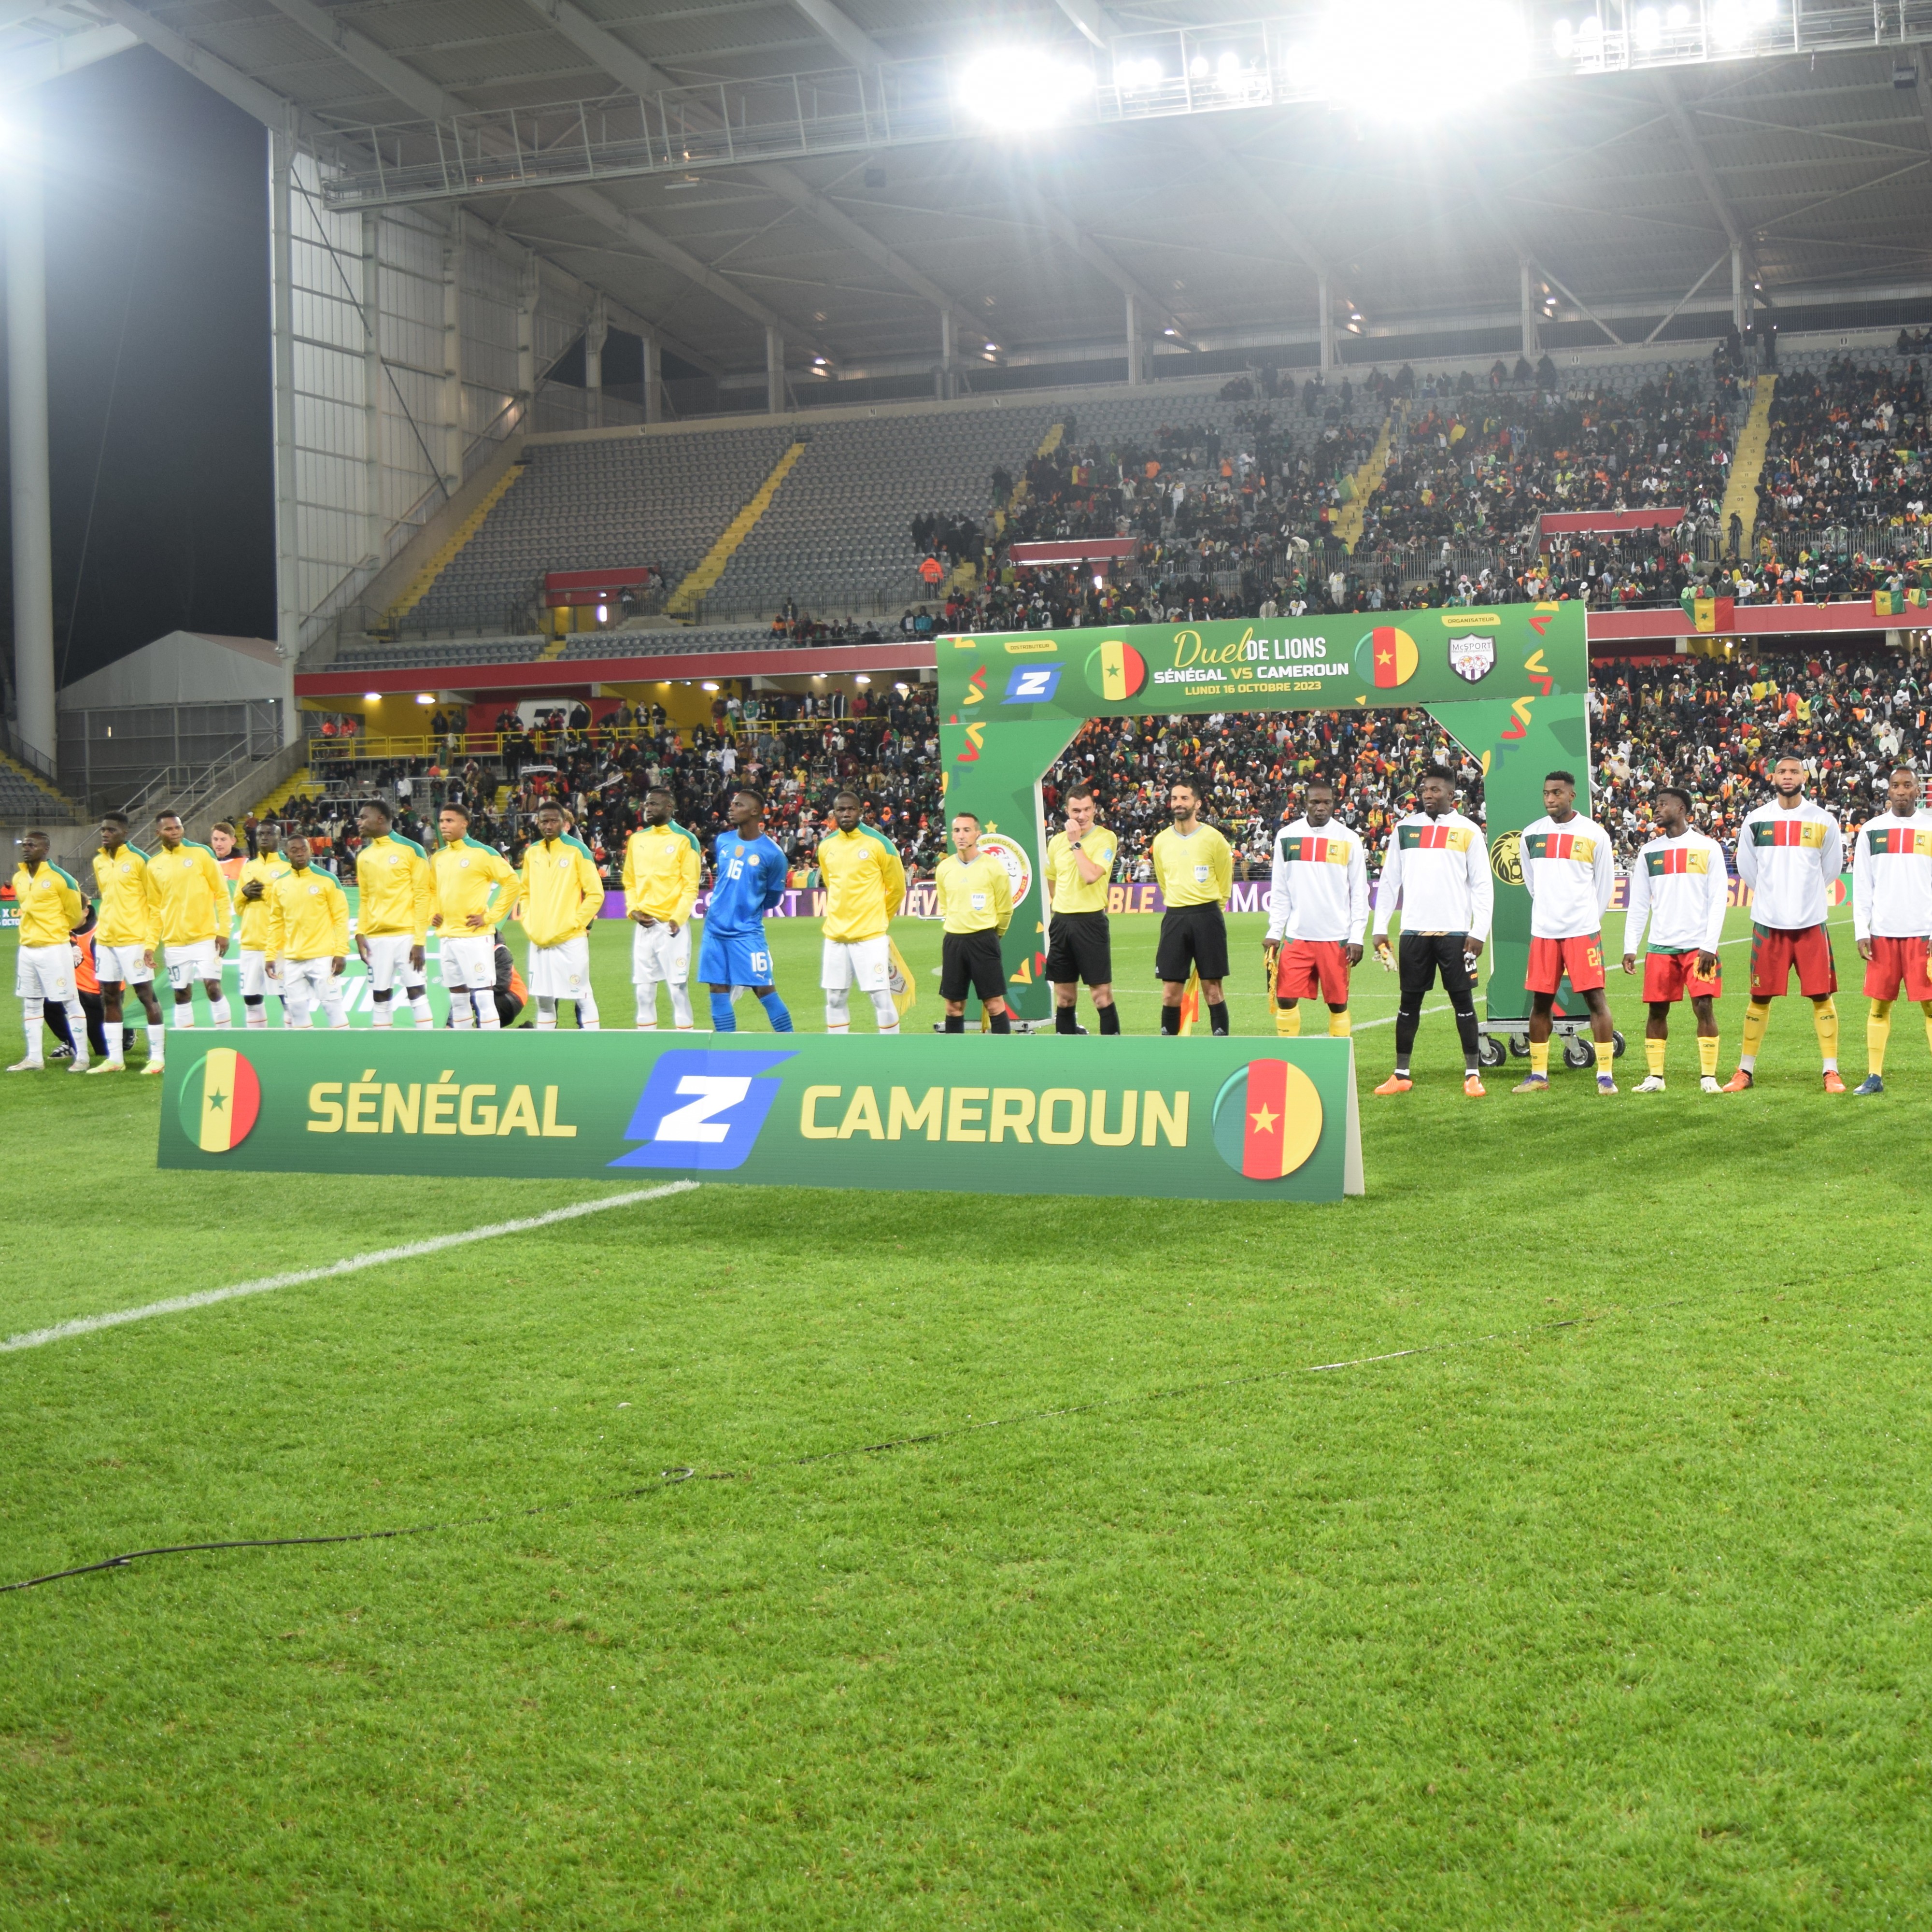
<point>156,212</point>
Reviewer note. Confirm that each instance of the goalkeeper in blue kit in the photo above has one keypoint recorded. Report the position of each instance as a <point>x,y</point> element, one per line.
<point>750,881</point>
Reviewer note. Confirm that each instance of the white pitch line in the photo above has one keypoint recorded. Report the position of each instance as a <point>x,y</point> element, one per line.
<point>87,1324</point>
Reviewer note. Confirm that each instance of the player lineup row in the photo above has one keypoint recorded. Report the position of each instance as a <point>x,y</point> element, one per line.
<point>290,923</point>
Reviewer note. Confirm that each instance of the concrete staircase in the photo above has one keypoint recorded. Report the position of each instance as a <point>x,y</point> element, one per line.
<point>683,601</point>
<point>1048,443</point>
<point>1367,480</point>
<point>1748,466</point>
<point>302,783</point>
<point>47,802</point>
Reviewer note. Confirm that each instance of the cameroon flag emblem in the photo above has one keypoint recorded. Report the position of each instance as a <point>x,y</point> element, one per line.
<point>1268,1120</point>
<point>219,1100</point>
<point>1386,658</point>
<point>1116,670</point>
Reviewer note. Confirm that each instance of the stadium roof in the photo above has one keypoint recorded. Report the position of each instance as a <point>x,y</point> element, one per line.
<point>1418,167</point>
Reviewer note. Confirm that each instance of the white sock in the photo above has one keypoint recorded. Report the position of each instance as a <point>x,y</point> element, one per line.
<point>888,1013</point>
<point>462,1015</point>
<point>680,1005</point>
<point>76,1021</point>
<point>32,1014</point>
<point>546,1015</point>
<point>158,1041</point>
<point>488,1018</point>
<point>331,1005</point>
<point>184,1017</point>
<point>378,1011</point>
<point>587,1018</point>
<point>647,1006</point>
<point>419,1006</point>
<point>256,1015</point>
<point>217,1011</point>
<point>837,1018</point>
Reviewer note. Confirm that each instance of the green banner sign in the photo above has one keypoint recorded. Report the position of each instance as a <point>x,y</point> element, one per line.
<point>1221,1120</point>
<point>1509,683</point>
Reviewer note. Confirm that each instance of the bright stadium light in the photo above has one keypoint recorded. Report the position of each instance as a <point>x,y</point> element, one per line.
<point>425,697</point>
<point>1563,39</point>
<point>1017,89</point>
<point>372,697</point>
<point>1730,23</point>
<point>1678,18</point>
<point>862,679</point>
<point>1649,28</point>
<point>1408,58</point>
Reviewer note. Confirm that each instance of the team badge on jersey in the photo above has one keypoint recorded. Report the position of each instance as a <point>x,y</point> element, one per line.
<point>702,1110</point>
<point>1472,658</point>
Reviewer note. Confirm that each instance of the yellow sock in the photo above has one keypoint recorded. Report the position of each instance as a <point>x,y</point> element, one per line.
<point>1707,1055</point>
<point>1606,1052</point>
<point>1339,1026</point>
<point>1757,1017</point>
<point>1878,1035</point>
<point>1539,1058</point>
<point>1825,1020</point>
<point>1653,1054</point>
<point>1288,1022</point>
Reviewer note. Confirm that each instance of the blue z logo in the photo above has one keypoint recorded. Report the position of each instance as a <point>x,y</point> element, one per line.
<point>1033,684</point>
<point>701,1110</point>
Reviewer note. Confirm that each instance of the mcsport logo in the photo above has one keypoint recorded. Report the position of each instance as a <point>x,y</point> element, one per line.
<point>220,1100</point>
<point>702,1110</point>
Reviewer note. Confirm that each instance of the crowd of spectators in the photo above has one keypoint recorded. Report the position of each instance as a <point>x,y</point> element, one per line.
<point>1848,448</point>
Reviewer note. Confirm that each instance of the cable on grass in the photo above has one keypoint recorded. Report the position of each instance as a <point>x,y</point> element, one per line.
<point>682,1473</point>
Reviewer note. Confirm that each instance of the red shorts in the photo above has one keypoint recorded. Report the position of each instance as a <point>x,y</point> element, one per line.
<point>1313,969</point>
<point>1776,949</point>
<point>1895,962</point>
<point>1668,977</point>
<point>1581,958</point>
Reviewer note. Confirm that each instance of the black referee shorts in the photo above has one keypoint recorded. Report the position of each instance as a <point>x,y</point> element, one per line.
<point>971,959</point>
<point>1421,955</point>
<point>1196,936</point>
<point>1079,945</point>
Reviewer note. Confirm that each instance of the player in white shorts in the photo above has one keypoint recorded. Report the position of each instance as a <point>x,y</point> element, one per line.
<point>251,885</point>
<point>51,906</point>
<point>125,940</point>
<point>663,867</point>
<point>472,887</point>
<point>864,885</point>
<point>562,894</point>
<point>196,914</point>
<point>307,939</point>
<point>392,916</point>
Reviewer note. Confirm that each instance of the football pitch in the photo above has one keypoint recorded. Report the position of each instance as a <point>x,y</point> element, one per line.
<point>1541,1540</point>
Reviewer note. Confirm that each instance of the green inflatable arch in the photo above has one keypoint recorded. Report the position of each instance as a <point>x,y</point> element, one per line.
<point>1509,684</point>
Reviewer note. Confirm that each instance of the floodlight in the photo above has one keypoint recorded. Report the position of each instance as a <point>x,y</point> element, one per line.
<point>1763,12</point>
<point>1407,58</point>
<point>1023,88</point>
<point>1139,77</point>
<point>1730,24</point>
<point>1170,331</point>
<point>1197,67</point>
<point>862,679</point>
<point>603,612</point>
<point>425,697</point>
<point>1563,39</point>
<point>1649,28</point>
<point>1677,16</point>
<point>710,687</point>
<point>1228,69</point>
<point>372,697</point>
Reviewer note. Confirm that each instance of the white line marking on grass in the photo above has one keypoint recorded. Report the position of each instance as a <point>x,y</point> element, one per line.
<point>1390,1019</point>
<point>87,1324</point>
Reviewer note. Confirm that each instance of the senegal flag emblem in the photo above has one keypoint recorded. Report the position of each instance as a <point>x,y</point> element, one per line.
<point>1386,658</point>
<point>1116,670</point>
<point>219,1100</point>
<point>1268,1120</point>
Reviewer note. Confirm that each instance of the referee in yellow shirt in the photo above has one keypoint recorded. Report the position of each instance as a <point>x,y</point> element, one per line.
<point>1079,943</point>
<point>976,905</point>
<point>1195,871</point>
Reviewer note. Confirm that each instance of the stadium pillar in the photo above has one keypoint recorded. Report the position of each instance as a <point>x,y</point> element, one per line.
<point>529,293</point>
<point>27,420</point>
<point>1326,322</point>
<point>372,387</point>
<point>775,382</point>
<point>1136,355</point>
<point>595,333</point>
<point>946,386</point>
<point>288,605</point>
<point>1531,343</point>
<point>452,358</point>
<point>1740,305</point>
<point>653,379</point>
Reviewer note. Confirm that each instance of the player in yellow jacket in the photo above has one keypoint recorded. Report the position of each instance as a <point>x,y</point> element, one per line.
<point>473,887</point>
<point>864,885</point>
<point>126,938</point>
<point>51,906</point>
<point>392,916</point>
<point>195,912</point>
<point>251,887</point>
<point>562,893</point>
<point>663,869</point>
<point>307,938</point>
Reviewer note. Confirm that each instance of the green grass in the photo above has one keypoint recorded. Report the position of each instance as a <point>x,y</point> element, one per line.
<point>1622,1620</point>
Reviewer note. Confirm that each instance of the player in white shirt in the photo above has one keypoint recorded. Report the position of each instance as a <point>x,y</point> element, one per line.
<point>1892,913</point>
<point>1789,852</point>
<point>1317,911</point>
<point>1678,887</point>
<point>1570,872</point>
<point>1436,867</point>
